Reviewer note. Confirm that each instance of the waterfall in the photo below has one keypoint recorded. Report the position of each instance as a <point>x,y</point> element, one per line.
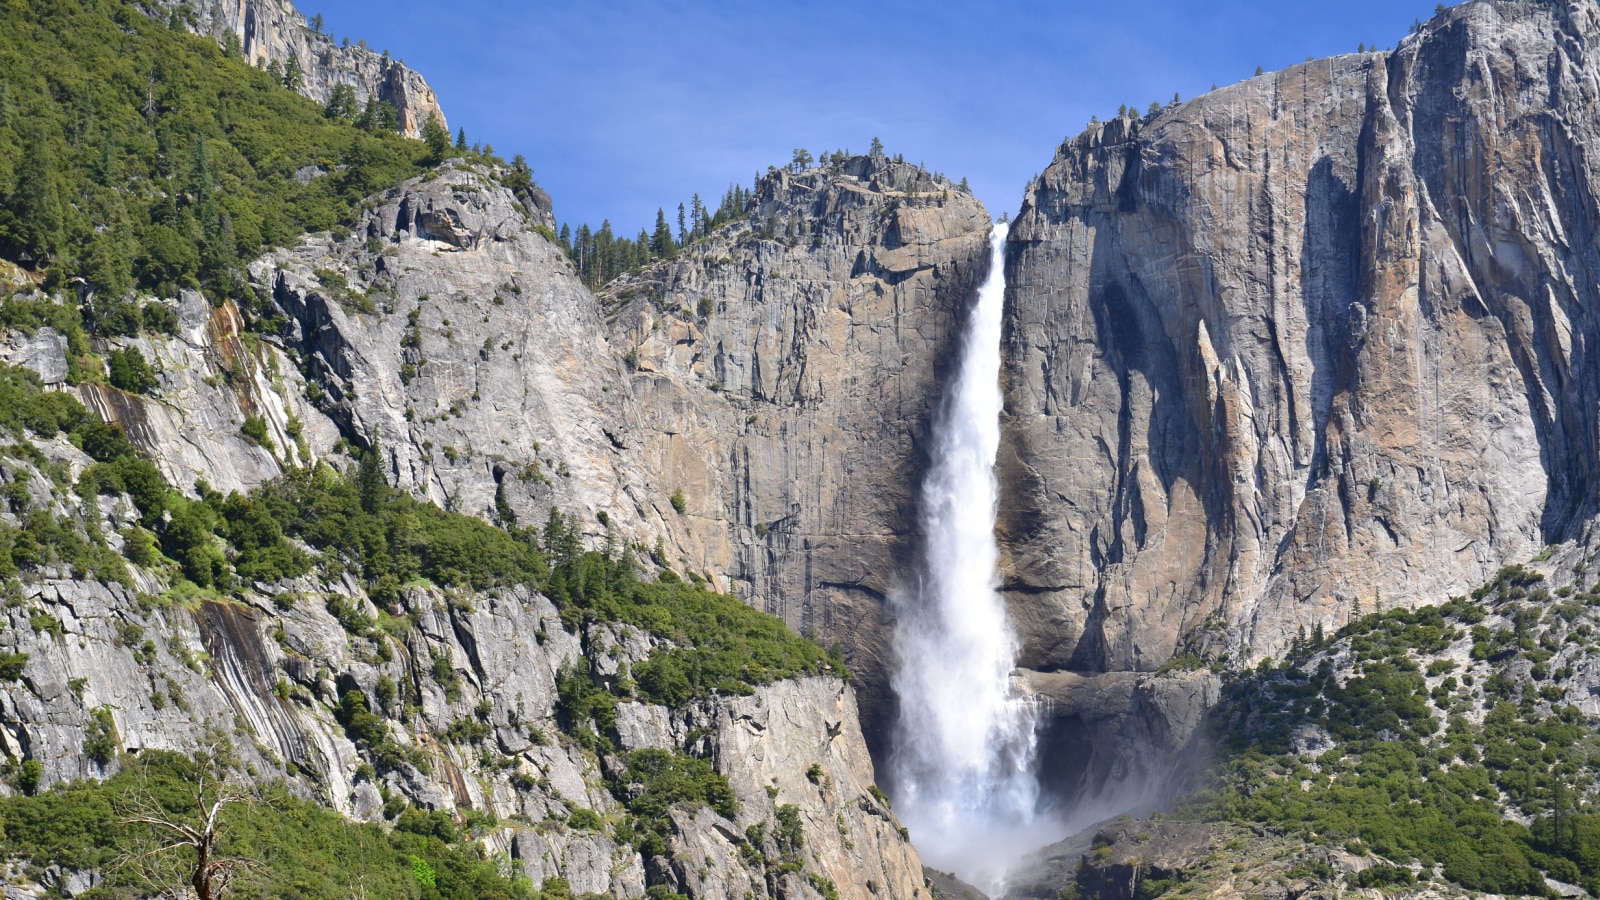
<point>962,766</point>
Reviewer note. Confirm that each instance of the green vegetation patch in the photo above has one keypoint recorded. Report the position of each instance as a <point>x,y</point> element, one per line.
<point>135,155</point>
<point>299,849</point>
<point>1409,777</point>
<point>658,780</point>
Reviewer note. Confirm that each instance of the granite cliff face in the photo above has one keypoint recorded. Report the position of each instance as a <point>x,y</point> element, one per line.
<point>786,368</point>
<point>275,32</point>
<point>450,331</point>
<point>1306,347</point>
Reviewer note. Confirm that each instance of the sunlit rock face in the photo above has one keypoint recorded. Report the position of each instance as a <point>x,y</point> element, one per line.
<point>786,370</point>
<point>274,32</point>
<point>1306,347</point>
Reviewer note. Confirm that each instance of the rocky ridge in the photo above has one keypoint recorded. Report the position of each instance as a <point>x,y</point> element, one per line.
<point>448,329</point>
<point>275,32</point>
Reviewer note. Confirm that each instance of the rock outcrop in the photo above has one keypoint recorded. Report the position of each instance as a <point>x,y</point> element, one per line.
<point>448,329</point>
<point>274,32</point>
<point>786,368</point>
<point>1309,346</point>
<point>112,670</point>
<point>214,377</point>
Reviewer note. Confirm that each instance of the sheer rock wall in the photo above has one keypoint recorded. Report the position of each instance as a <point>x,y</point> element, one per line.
<point>786,369</point>
<point>1309,346</point>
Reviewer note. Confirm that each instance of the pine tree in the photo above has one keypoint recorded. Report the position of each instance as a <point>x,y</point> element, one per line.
<point>219,256</point>
<point>203,185</point>
<point>388,119</point>
<point>378,116</point>
<point>520,176</point>
<point>562,543</point>
<point>461,140</point>
<point>108,267</point>
<point>436,139</point>
<point>584,248</point>
<point>605,253</point>
<point>341,102</point>
<point>35,205</point>
<point>683,235</point>
<point>877,147</point>
<point>370,483</point>
<point>661,243</point>
<point>316,23</point>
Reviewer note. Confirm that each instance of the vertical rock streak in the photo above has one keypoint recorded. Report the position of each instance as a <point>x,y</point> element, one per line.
<point>964,753</point>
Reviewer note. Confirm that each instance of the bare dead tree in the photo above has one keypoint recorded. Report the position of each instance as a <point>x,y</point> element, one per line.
<point>189,847</point>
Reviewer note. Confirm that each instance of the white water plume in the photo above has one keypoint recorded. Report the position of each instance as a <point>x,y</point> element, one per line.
<point>963,759</point>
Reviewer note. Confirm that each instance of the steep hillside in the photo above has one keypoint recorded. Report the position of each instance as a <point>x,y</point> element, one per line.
<point>1304,348</point>
<point>246,532</point>
<point>138,160</point>
<point>401,664</point>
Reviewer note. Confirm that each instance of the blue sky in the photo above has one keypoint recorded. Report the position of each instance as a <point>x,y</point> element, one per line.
<point>621,107</point>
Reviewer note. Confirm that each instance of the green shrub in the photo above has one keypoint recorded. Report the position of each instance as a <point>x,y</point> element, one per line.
<point>100,741</point>
<point>11,665</point>
<point>658,780</point>
<point>789,833</point>
<point>255,428</point>
<point>25,406</point>
<point>29,776</point>
<point>1397,785</point>
<point>130,372</point>
<point>587,710</point>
